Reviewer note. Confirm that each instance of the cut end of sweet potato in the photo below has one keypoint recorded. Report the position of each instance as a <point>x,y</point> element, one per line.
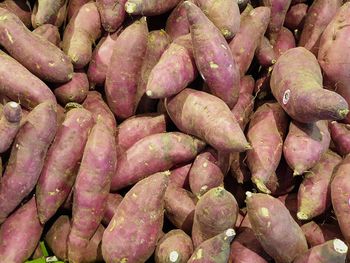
<point>174,256</point>
<point>248,194</point>
<point>340,246</point>
<point>302,216</point>
<point>261,186</point>
<point>130,7</point>
<point>343,113</point>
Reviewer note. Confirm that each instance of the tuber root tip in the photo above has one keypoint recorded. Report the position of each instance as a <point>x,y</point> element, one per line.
<point>302,216</point>
<point>130,7</point>
<point>173,256</point>
<point>340,246</point>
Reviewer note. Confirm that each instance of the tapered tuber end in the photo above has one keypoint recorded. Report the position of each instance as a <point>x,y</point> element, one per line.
<point>302,216</point>
<point>248,194</point>
<point>149,93</point>
<point>72,105</point>
<point>343,113</point>
<point>167,173</point>
<point>261,186</point>
<point>13,112</point>
<point>248,147</point>
<point>174,256</point>
<point>340,246</point>
<point>226,33</point>
<point>130,7</point>
<point>296,173</point>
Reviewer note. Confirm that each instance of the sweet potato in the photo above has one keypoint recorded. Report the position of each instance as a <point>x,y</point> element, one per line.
<point>238,168</point>
<point>135,239</point>
<point>334,64</point>
<point>89,204</point>
<point>340,188</point>
<point>247,84</point>
<point>79,35</point>
<point>269,219</point>
<point>179,176</point>
<point>215,249</point>
<point>20,8</point>
<point>295,17</point>
<point>157,43</point>
<point>9,124</point>
<point>305,144</point>
<point>112,13</point>
<point>112,203</point>
<point>291,202</point>
<point>265,53</point>
<point>318,234</point>
<point>266,131</point>
<point>252,29</point>
<point>20,233</point>
<point>285,178</point>
<point>49,32</point>
<point>93,251</point>
<point>332,251</point>
<point>27,157</point>
<point>136,128</point>
<point>174,246</point>
<point>319,15</point>
<point>45,11</point>
<point>243,109</point>
<point>18,84</point>
<point>149,7</point>
<point>213,56</point>
<point>123,72</point>
<point>340,134</point>
<point>175,69</point>
<point>99,109</point>
<point>74,6</point>
<point>177,24</point>
<point>284,41</point>
<point>179,207</point>
<point>59,172</point>
<point>193,112</point>
<point>224,14</point>
<point>215,211</point>
<point>296,83</point>
<point>50,64</point>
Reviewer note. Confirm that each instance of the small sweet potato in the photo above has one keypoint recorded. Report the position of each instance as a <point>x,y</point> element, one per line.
<point>93,251</point>
<point>269,219</point>
<point>124,69</point>
<point>295,17</point>
<point>177,24</point>
<point>20,234</point>
<point>265,53</point>
<point>112,13</point>
<point>20,8</point>
<point>243,110</point>
<point>215,211</point>
<point>27,157</point>
<point>340,134</point>
<point>305,144</point>
<point>285,40</point>
<point>207,117</point>
<point>247,84</point>
<point>291,202</point>
<point>133,233</point>
<point>149,7</point>
<point>164,150</point>
<point>9,124</point>
<point>59,172</point>
<point>215,249</point>
<point>79,35</point>
<point>45,11</point>
<point>112,203</point>
<point>213,56</point>
<point>179,176</point>
<point>49,32</point>
<point>50,64</point>
<point>296,83</point>
<point>74,6</point>
<point>238,168</point>
<point>174,246</point>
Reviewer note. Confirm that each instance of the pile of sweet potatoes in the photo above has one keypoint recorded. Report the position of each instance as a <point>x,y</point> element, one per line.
<point>175,131</point>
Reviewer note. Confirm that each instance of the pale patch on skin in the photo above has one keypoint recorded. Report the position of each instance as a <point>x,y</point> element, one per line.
<point>213,65</point>
<point>264,212</point>
<point>9,36</point>
<point>173,256</point>
<point>199,254</point>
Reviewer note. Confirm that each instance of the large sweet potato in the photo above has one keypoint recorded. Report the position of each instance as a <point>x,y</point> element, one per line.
<point>74,6</point>
<point>295,16</point>
<point>340,134</point>
<point>45,11</point>
<point>49,32</point>
<point>177,24</point>
<point>20,8</point>
<point>149,7</point>
<point>112,13</point>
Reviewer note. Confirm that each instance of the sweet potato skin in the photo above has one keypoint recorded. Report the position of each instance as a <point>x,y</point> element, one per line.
<point>20,8</point>
<point>112,13</point>
<point>295,17</point>
<point>112,203</point>
<point>149,7</point>
<point>144,199</point>
<point>177,24</point>
<point>284,41</point>
<point>9,124</point>
<point>164,151</point>
<point>45,12</point>
<point>49,32</point>
<point>74,6</point>
<point>51,64</point>
<point>20,233</point>
<point>265,53</point>
<point>243,110</point>
<point>179,176</point>
<point>58,175</point>
<point>340,134</point>
<point>27,157</point>
<point>193,111</point>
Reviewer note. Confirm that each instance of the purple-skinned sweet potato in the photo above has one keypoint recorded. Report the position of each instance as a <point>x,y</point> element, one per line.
<point>265,53</point>
<point>179,207</point>
<point>318,234</point>
<point>331,251</point>
<point>79,36</point>
<point>305,144</point>
<point>215,211</point>
<point>175,69</point>
<point>177,24</point>
<point>207,117</point>
<point>340,134</point>
<point>314,196</point>
<point>296,83</point>
<point>123,71</point>
<point>164,151</point>
<point>9,124</point>
<point>49,32</point>
<point>243,109</point>
<point>252,29</point>
<point>247,84</point>
<point>27,157</point>
<point>174,246</point>
<point>238,168</point>
<point>133,232</point>
<point>99,109</point>
<point>284,41</point>
<point>112,203</point>
<point>319,15</point>
<point>45,11</point>
<point>290,200</point>
<point>20,85</point>
<point>340,188</point>
<point>213,56</point>
<point>20,8</point>
<point>59,172</point>
<point>266,132</point>
<point>20,234</point>
<point>74,6</point>
<point>179,176</point>
<point>334,64</point>
<point>224,14</point>
<point>136,128</point>
<point>149,7</point>
<point>215,249</point>
<point>285,178</point>
<point>158,41</point>
<point>89,203</point>
<point>112,13</point>
<point>269,219</point>
<point>50,64</point>
<point>93,251</point>
<point>295,17</point>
